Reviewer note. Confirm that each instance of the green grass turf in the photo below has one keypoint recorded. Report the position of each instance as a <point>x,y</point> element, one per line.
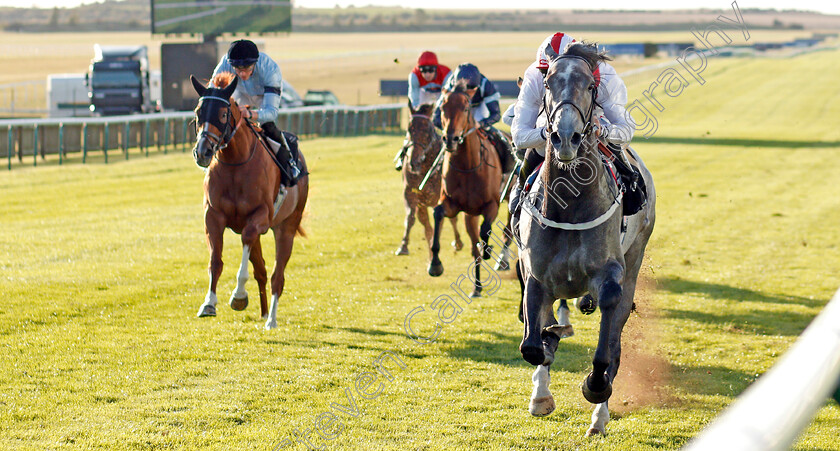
<point>103,267</point>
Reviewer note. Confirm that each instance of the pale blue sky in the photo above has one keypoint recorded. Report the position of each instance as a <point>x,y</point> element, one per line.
<point>825,6</point>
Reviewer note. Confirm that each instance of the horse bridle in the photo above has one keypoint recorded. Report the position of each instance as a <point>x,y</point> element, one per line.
<point>217,142</point>
<point>465,133</point>
<point>431,129</point>
<point>587,119</point>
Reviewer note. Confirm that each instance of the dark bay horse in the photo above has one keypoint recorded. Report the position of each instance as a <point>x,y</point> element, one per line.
<point>472,176</point>
<point>424,147</point>
<point>571,234</point>
<point>242,192</point>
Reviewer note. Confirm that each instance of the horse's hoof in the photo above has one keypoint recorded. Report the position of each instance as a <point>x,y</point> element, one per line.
<point>476,293</point>
<point>596,397</point>
<point>271,324</point>
<point>458,245</point>
<point>206,310</point>
<point>587,304</point>
<point>593,432</point>
<point>564,331</point>
<point>533,354</point>
<point>485,254</point>
<point>435,269</point>
<point>541,407</point>
<point>403,250</point>
<point>239,304</point>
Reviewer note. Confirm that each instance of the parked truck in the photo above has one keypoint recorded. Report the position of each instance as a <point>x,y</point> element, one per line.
<point>119,81</point>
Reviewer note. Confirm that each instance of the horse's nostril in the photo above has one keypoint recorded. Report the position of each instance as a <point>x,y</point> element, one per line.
<point>576,138</point>
<point>555,139</point>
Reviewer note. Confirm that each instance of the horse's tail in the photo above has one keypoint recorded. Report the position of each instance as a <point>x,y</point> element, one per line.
<point>301,232</point>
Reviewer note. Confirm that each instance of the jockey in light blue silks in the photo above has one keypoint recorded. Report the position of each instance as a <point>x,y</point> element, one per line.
<point>484,101</point>
<point>258,96</point>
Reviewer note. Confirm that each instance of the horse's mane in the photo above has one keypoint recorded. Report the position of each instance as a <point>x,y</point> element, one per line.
<point>425,109</point>
<point>589,51</point>
<point>222,79</point>
<point>460,86</point>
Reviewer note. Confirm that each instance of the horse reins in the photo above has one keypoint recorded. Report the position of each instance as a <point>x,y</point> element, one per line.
<point>587,118</point>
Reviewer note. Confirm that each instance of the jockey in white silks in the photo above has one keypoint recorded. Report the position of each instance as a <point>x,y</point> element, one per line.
<point>528,126</point>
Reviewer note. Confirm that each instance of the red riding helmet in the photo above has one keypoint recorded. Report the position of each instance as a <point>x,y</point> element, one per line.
<point>427,58</point>
<point>558,42</point>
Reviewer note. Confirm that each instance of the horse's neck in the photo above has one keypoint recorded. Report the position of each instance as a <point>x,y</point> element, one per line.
<point>239,148</point>
<point>424,145</point>
<point>573,194</point>
<point>469,152</point>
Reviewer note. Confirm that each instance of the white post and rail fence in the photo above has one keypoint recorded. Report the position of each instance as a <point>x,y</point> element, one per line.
<point>773,411</point>
<point>25,140</point>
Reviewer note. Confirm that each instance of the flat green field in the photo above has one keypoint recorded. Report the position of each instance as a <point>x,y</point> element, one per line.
<point>103,267</point>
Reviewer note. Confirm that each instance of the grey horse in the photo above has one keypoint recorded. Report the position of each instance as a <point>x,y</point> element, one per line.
<point>573,237</point>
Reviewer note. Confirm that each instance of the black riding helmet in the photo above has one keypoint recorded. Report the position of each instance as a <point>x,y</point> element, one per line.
<point>243,53</point>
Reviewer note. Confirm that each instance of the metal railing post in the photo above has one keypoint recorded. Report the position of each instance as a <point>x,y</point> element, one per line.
<point>105,141</point>
<point>60,143</point>
<point>9,149</point>
<point>84,142</point>
<point>35,145</point>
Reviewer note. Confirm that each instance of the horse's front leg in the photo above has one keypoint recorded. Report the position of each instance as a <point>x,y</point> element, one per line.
<point>422,213</point>
<point>503,262</point>
<point>214,229</point>
<point>606,289</point>
<point>537,349</point>
<point>540,339</point>
<point>256,225</point>
<point>435,265</point>
<point>601,415</point>
<point>471,224</point>
<point>457,244</point>
<point>411,204</point>
<point>284,237</point>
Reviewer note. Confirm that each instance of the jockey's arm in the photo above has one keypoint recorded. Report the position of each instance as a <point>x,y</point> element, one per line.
<point>413,90</point>
<point>490,98</point>
<point>524,130</point>
<point>494,114</point>
<point>612,96</point>
<point>273,85</point>
<point>507,116</point>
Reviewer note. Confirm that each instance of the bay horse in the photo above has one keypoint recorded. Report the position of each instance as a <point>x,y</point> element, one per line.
<point>472,175</point>
<point>571,234</point>
<point>424,147</point>
<point>241,192</point>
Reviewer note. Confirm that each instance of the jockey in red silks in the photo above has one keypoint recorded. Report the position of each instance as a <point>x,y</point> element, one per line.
<point>424,84</point>
<point>528,128</point>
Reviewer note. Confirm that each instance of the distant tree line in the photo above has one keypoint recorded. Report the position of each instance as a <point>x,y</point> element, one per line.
<point>134,15</point>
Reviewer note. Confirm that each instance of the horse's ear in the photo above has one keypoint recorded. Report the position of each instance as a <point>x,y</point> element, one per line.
<point>411,108</point>
<point>199,88</point>
<point>228,91</point>
<point>550,53</point>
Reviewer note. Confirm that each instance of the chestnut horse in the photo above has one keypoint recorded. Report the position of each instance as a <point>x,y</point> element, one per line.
<point>425,145</point>
<point>242,192</point>
<point>472,175</point>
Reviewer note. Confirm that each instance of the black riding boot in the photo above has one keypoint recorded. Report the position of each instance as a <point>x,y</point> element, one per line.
<point>503,148</point>
<point>288,167</point>
<point>635,196</point>
<point>529,164</point>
